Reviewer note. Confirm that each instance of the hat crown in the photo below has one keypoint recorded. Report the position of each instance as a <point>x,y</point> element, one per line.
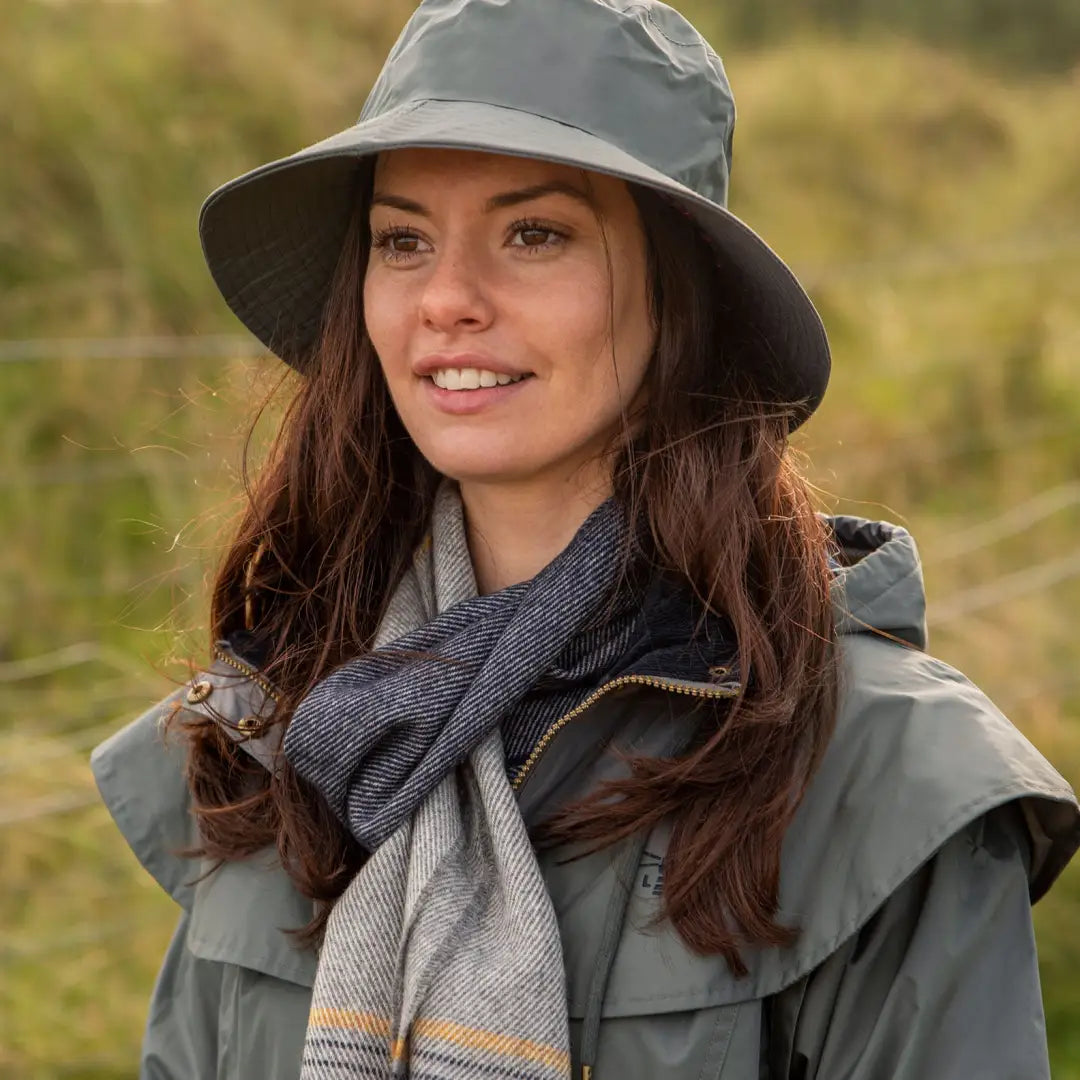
<point>635,74</point>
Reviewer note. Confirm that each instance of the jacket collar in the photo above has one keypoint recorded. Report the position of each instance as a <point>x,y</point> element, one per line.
<point>676,647</point>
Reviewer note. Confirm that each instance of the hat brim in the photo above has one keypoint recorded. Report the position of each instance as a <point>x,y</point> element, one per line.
<point>272,236</point>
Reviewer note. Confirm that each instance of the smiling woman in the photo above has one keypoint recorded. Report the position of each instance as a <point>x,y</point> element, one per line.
<point>544,707</point>
<point>461,289</point>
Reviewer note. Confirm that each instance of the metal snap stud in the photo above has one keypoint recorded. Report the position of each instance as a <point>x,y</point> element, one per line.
<point>248,724</point>
<point>199,691</point>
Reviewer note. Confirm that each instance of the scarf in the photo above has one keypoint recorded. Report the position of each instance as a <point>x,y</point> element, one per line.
<point>442,958</point>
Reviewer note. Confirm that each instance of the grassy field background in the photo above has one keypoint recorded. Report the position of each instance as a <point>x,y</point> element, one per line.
<point>930,203</point>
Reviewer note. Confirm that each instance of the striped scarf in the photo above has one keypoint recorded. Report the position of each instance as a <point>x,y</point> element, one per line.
<point>442,959</point>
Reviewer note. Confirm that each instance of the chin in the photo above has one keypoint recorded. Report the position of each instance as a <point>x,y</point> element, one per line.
<point>490,470</point>
<point>487,463</point>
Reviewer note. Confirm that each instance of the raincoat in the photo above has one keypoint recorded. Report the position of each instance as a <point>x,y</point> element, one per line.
<point>910,868</point>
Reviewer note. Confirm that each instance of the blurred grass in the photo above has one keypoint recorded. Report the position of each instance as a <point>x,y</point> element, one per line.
<point>932,208</point>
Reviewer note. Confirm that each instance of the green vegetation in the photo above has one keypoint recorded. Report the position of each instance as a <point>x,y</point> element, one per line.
<point>931,207</point>
<point>1041,35</point>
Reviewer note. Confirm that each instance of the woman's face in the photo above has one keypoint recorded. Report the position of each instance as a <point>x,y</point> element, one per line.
<point>487,268</point>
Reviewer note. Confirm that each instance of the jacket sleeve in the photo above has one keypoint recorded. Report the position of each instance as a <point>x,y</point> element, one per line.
<point>212,1020</point>
<point>942,983</point>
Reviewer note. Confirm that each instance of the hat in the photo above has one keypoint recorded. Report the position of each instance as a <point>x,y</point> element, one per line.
<point>624,87</point>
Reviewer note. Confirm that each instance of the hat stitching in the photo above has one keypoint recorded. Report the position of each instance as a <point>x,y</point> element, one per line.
<point>700,43</point>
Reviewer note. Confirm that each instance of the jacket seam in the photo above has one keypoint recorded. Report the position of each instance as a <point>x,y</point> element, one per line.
<point>729,1013</point>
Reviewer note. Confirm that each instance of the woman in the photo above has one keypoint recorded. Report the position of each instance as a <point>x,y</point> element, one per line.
<point>567,735</point>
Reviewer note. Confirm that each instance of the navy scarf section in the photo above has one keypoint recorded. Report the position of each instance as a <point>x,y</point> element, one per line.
<point>378,734</point>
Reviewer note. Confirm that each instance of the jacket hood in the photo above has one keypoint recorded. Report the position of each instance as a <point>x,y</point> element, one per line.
<point>879,582</point>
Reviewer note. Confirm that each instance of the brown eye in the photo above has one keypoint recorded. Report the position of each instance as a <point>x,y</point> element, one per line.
<point>396,244</point>
<point>536,236</point>
<point>533,237</point>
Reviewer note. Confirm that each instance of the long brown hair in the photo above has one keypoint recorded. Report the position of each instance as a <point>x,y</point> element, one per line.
<point>343,500</point>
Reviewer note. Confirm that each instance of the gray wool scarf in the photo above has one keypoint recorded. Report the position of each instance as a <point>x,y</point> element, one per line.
<point>442,959</point>
<point>377,735</point>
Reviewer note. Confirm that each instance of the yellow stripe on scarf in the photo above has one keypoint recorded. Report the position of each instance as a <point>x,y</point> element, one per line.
<point>371,1023</point>
<point>446,1031</point>
<point>477,1038</point>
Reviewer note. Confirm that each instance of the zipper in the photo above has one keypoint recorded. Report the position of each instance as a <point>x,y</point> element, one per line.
<point>720,690</point>
<point>267,687</point>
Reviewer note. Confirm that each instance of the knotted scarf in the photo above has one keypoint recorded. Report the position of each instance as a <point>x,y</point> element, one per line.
<point>442,958</point>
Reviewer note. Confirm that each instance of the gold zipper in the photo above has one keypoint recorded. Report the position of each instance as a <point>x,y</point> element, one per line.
<point>268,688</point>
<point>726,690</point>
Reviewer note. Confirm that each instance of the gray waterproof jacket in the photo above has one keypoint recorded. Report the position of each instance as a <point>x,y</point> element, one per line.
<point>910,868</point>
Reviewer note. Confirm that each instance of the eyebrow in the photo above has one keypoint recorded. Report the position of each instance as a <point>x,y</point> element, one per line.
<point>496,202</point>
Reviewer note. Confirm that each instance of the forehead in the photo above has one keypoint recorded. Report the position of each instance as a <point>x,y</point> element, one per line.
<point>413,169</point>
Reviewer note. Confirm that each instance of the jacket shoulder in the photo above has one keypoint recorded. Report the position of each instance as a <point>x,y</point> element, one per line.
<point>918,754</point>
<point>237,911</point>
<point>139,772</point>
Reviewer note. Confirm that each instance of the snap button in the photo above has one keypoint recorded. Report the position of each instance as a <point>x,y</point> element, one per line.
<point>718,671</point>
<point>199,691</point>
<point>248,724</point>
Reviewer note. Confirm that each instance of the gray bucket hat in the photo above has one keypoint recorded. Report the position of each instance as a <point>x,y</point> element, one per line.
<point>625,87</point>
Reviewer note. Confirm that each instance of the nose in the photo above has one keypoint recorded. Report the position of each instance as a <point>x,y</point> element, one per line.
<point>455,295</point>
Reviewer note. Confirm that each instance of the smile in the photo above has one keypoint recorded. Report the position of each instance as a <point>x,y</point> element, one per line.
<point>471,378</point>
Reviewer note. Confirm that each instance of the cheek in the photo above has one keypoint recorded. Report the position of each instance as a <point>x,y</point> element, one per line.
<point>573,319</point>
<point>572,310</point>
<point>387,323</point>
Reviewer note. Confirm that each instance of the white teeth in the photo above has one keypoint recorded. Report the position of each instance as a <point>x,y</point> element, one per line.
<point>471,378</point>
